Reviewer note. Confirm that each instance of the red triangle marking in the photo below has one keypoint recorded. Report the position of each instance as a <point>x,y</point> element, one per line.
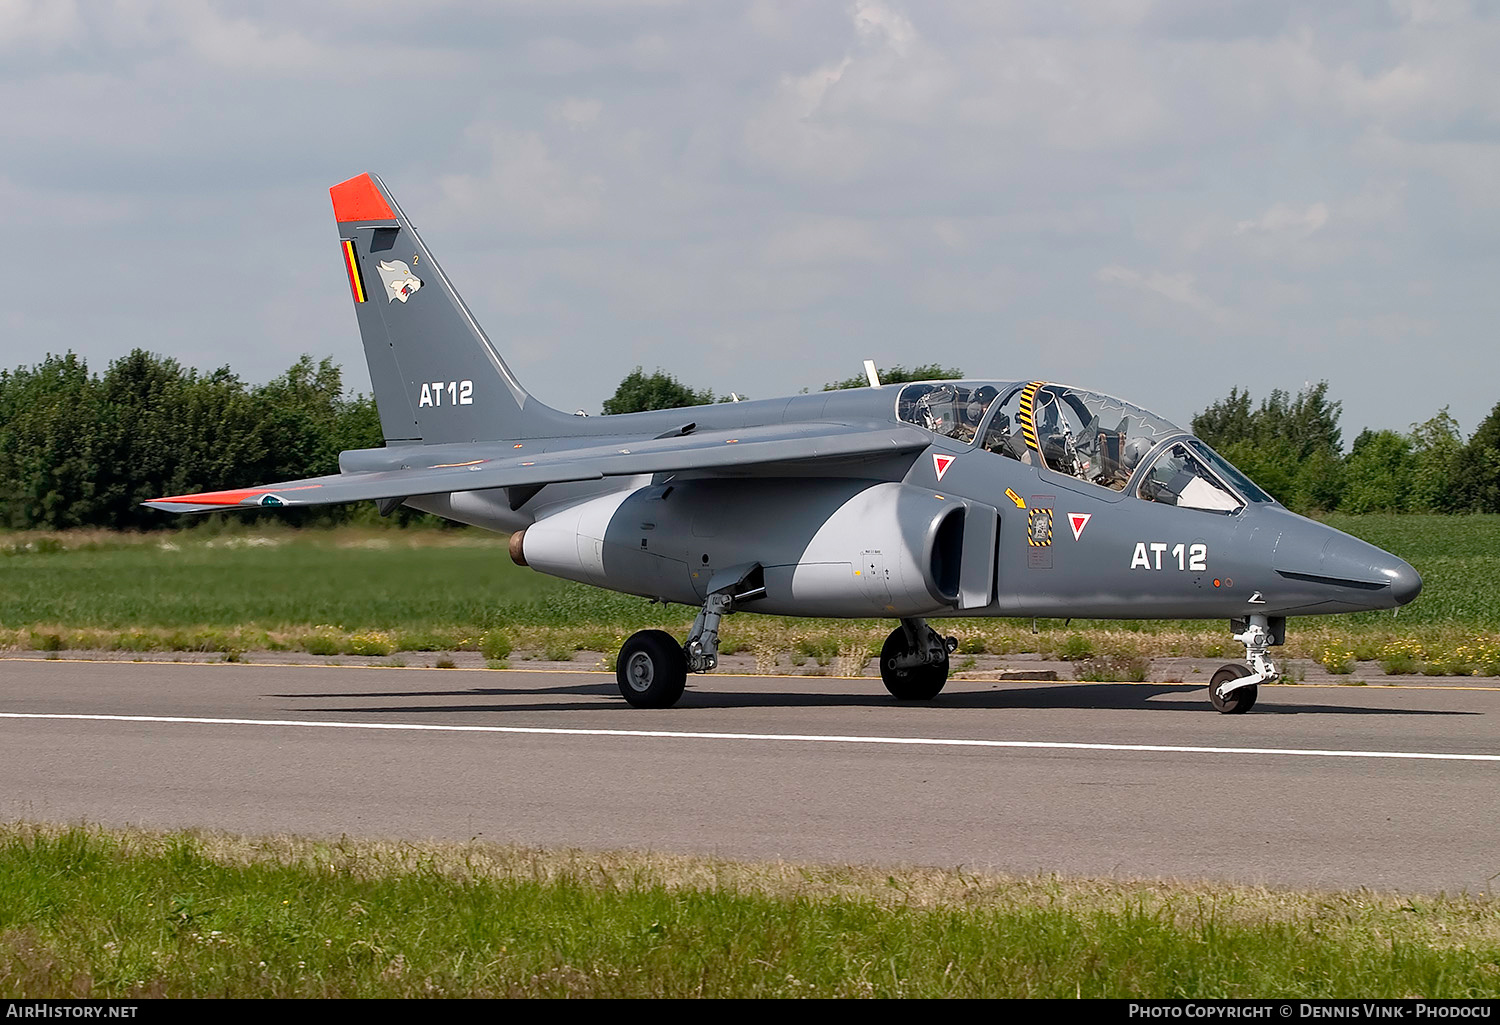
<point>941,463</point>
<point>1078,521</point>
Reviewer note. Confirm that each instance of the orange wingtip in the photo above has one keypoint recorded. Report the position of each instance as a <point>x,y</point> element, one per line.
<point>359,200</point>
<point>229,497</point>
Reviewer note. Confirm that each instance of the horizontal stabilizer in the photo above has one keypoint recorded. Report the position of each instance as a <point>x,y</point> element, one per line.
<point>743,448</point>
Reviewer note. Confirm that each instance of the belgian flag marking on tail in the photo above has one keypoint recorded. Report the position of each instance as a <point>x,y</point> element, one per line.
<point>351,264</point>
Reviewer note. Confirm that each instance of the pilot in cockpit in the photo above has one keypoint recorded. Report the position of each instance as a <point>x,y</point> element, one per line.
<point>936,411</point>
<point>1095,438</point>
<point>952,411</point>
<point>971,412</point>
<point>1059,448</point>
<point>1002,440</point>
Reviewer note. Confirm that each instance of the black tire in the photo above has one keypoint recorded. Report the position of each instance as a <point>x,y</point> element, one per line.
<point>915,683</point>
<point>1238,702</point>
<point>651,669</point>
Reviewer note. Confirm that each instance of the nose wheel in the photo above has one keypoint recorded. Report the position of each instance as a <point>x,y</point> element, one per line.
<point>1237,701</point>
<point>1233,688</point>
<point>914,661</point>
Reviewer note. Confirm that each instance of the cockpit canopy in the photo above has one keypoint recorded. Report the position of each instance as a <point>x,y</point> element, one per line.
<point>1094,437</point>
<point>950,408</point>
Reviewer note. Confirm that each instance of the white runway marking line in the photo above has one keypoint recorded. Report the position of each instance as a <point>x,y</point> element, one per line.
<point>797,738</point>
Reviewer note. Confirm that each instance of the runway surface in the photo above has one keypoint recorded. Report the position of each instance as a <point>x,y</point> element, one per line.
<point>1337,787</point>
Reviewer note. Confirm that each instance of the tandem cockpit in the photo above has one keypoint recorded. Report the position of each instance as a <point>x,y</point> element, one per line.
<point>1093,437</point>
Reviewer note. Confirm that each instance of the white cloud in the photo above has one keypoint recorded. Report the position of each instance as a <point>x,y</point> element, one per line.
<point>525,186</point>
<point>1433,12</point>
<point>614,180</point>
<point>42,24</point>
<point>577,112</point>
<point>1284,219</point>
<point>967,290</point>
<point>828,124</point>
<point>238,44</point>
<point>1470,167</point>
<point>40,207</point>
<point>1387,327</point>
<point>880,24</point>
<point>793,135</point>
<point>1179,288</point>
<point>829,240</point>
<point>951,233</point>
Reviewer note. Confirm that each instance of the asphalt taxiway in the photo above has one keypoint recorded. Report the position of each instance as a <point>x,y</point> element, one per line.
<point>1337,787</point>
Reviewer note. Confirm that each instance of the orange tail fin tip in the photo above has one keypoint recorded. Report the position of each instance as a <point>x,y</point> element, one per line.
<point>359,200</point>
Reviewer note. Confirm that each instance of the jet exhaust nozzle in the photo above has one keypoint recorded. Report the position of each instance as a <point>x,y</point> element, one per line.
<point>517,550</point>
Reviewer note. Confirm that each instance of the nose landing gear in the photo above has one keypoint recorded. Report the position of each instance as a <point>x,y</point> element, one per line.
<point>914,661</point>
<point>1234,688</point>
<point>1240,698</point>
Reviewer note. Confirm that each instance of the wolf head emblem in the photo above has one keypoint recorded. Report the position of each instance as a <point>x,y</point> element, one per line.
<point>400,282</point>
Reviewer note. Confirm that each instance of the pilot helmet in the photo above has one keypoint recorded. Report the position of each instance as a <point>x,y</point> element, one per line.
<point>1135,451</point>
<point>979,401</point>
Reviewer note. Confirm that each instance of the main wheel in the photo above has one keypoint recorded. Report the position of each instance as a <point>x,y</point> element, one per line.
<point>913,683</point>
<point>1238,702</point>
<point>651,669</point>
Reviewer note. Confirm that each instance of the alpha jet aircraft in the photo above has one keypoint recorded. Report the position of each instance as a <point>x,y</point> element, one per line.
<point>914,502</point>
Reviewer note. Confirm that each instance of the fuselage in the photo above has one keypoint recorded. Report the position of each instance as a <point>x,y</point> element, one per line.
<point>967,527</point>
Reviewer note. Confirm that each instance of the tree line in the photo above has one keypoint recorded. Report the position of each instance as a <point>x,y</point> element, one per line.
<point>82,449</point>
<point>1292,447</point>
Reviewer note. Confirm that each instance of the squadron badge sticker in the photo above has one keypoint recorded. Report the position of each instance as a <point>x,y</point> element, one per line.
<point>400,282</point>
<point>1039,527</point>
<point>1039,531</point>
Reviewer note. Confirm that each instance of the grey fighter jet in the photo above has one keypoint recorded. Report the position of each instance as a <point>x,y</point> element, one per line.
<point>915,502</point>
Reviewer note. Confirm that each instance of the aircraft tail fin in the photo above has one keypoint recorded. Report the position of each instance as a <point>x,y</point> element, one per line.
<point>437,376</point>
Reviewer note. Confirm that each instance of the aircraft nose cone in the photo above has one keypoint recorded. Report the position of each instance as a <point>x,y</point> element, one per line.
<point>1358,560</point>
<point>1406,582</point>
<point>1358,565</point>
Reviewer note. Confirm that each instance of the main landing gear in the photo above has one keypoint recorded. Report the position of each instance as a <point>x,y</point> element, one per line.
<point>652,668</point>
<point>914,661</point>
<point>1233,688</point>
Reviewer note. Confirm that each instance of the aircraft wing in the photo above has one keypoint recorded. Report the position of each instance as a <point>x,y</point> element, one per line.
<point>740,449</point>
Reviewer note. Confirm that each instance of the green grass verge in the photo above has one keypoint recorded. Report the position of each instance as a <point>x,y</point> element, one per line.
<point>91,912</point>
<point>362,591</point>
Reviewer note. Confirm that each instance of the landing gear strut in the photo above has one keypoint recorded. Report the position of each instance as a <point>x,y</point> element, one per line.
<point>652,667</point>
<point>702,645</point>
<point>1233,688</point>
<point>914,661</point>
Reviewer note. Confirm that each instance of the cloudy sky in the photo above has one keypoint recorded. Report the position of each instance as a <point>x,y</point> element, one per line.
<point>1157,198</point>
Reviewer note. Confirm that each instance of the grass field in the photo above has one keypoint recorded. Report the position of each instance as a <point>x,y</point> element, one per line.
<point>90,912</point>
<point>375,592</point>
